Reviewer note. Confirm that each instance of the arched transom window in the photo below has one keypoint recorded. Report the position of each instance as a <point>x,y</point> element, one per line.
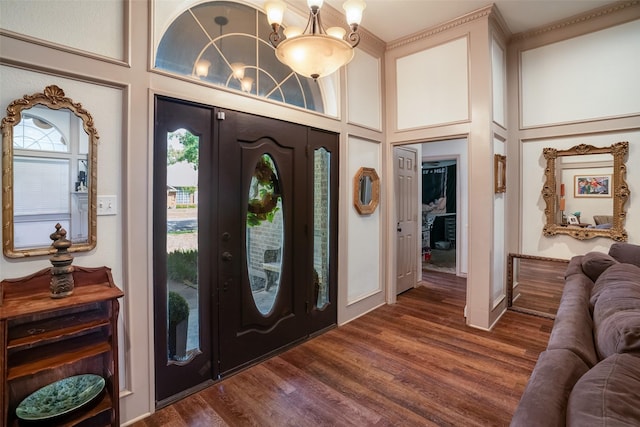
<point>226,44</point>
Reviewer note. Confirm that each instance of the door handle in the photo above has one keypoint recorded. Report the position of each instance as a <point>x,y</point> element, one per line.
<point>398,228</point>
<point>226,256</point>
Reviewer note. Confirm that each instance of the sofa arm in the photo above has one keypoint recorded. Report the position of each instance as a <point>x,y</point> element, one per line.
<point>574,267</point>
<point>573,326</point>
<point>544,401</point>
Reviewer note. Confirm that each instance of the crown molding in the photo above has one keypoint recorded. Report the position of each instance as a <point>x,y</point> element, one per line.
<point>464,19</point>
<point>577,19</point>
<point>499,23</point>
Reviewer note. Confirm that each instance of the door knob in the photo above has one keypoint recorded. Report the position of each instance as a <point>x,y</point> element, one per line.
<point>226,256</point>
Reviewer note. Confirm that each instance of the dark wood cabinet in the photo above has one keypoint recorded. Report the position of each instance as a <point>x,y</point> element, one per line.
<point>45,340</point>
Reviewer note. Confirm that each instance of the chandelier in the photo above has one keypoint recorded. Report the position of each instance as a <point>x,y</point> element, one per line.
<point>314,52</point>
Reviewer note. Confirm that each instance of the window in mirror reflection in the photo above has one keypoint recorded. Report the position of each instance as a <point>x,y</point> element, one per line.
<point>33,133</point>
<point>50,177</point>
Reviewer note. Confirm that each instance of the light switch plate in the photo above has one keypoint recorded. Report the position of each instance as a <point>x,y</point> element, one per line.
<point>107,205</point>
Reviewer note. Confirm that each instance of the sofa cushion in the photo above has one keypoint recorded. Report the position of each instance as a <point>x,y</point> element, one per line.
<point>573,326</point>
<point>619,333</point>
<point>594,263</point>
<point>618,296</point>
<point>608,394</point>
<point>615,274</point>
<point>544,401</point>
<point>626,252</point>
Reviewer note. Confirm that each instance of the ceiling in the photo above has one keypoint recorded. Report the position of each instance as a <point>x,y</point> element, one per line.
<point>394,19</point>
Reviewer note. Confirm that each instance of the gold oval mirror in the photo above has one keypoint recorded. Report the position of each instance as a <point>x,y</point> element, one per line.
<point>585,191</point>
<point>49,170</point>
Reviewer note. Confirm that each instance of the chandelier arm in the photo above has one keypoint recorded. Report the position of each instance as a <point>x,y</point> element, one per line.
<point>275,38</point>
<point>353,38</point>
<point>317,28</point>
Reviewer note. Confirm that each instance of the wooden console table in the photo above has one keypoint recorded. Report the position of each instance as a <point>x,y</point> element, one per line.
<point>45,340</point>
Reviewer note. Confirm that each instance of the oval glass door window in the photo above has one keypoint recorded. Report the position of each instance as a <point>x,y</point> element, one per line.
<point>265,234</point>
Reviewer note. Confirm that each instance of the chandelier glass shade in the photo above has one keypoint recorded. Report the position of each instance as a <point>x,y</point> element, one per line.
<point>314,52</point>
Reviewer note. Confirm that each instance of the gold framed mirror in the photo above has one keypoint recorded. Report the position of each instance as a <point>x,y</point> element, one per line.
<point>585,191</point>
<point>49,174</point>
<point>500,173</point>
<point>366,191</point>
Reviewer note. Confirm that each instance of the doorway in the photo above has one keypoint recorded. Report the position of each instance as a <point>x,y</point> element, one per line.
<point>254,269</point>
<point>439,221</point>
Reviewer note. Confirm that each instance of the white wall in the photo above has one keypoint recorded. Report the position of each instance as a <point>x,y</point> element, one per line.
<point>580,78</point>
<point>60,21</point>
<point>499,82</point>
<point>432,86</point>
<point>364,91</point>
<point>364,247</point>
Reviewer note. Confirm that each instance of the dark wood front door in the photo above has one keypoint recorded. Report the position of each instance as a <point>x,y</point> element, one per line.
<point>183,218</point>
<point>267,237</point>
<point>264,289</point>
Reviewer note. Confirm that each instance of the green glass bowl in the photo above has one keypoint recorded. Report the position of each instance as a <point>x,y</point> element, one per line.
<point>60,397</point>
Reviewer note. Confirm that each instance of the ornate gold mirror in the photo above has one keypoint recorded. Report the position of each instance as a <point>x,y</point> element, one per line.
<point>49,170</point>
<point>366,191</point>
<point>585,191</point>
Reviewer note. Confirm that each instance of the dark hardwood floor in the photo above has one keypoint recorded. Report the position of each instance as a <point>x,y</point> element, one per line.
<point>414,363</point>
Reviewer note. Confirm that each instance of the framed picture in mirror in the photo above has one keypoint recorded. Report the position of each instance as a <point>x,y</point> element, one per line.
<point>592,186</point>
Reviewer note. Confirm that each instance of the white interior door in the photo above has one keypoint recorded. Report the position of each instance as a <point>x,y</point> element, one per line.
<point>407,217</point>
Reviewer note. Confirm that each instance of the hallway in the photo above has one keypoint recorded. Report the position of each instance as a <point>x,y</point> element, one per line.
<point>442,260</point>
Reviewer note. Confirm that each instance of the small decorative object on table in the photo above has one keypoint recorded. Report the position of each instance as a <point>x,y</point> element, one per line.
<point>572,220</point>
<point>577,215</point>
<point>62,271</point>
